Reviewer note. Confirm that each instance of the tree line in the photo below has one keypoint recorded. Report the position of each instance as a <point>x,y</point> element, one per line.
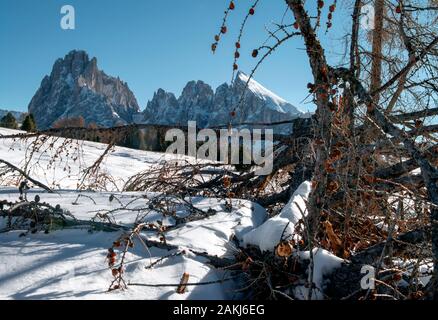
<point>10,122</point>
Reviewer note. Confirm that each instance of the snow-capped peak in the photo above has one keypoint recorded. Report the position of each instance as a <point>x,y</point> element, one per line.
<point>273,101</point>
<point>199,102</point>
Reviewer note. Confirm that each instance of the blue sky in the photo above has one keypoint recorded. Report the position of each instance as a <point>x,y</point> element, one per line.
<point>149,44</point>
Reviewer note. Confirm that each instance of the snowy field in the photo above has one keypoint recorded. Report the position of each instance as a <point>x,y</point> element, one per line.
<point>67,168</point>
<point>71,263</point>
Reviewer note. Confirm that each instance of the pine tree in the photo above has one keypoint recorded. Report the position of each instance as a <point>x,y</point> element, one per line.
<point>29,123</point>
<point>33,120</point>
<point>9,121</point>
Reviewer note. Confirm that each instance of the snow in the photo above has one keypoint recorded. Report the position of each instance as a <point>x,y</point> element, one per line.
<point>121,164</point>
<point>324,263</point>
<point>70,264</point>
<point>423,269</point>
<point>203,235</point>
<point>296,206</point>
<point>273,101</point>
<point>269,235</point>
<point>70,80</point>
<point>282,227</point>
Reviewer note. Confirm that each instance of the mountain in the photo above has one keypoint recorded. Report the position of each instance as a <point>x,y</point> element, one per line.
<point>76,87</point>
<point>208,108</point>
<point>19,116</point>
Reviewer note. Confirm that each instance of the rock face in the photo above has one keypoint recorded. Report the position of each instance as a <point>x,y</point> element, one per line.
<point>76,87</point>
<point>199,103</point>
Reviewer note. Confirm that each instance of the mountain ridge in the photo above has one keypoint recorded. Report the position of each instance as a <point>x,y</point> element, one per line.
<point>77,88</point>
<point>199,102</point>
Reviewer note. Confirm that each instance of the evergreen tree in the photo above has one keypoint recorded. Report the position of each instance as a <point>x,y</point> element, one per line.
<point>29,123</point>
<point>33,120</point>
<point>9,121</point>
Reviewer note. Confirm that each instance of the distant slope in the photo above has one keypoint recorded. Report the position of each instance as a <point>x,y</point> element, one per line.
<point>65,173</point>
<point>17,114</point>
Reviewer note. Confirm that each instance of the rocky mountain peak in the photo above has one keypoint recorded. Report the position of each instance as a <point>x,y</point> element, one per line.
<point>196,93</point>
<point>76,87</point>
<point>200,103</point>
<point>241,76</point>
<point>193,88</point>
<point>163,99</point>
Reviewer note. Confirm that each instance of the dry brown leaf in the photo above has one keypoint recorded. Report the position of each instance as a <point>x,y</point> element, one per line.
<point>329,167</point>
<point>183,283</point>
<point>227,182</point>
<point>335,242</point>
<point>335,155</point>
<point>369,178</point>
<point>333,186</point>
<point>284,250</point>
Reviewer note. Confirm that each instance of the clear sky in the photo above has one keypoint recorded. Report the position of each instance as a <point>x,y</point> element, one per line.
<point>149,44</point>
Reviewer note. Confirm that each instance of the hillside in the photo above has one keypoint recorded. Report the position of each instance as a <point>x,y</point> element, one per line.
<point>67,261</point>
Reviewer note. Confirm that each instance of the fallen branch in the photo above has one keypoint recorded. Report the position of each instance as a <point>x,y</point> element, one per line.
<point>24,174</point>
